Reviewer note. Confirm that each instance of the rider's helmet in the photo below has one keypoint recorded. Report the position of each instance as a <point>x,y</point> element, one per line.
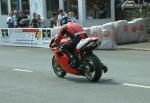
<point>64,20</point>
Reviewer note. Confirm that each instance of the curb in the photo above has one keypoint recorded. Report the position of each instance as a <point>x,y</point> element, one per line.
<point>131,48</point>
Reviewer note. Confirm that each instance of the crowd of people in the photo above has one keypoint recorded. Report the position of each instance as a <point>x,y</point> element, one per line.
<point>59,16</point>
<point>21,20</point>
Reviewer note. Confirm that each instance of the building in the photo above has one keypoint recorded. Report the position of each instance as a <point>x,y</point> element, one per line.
<point>88,12</point>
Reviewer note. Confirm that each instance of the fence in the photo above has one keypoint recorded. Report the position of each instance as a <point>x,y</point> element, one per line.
<point>109,34</point>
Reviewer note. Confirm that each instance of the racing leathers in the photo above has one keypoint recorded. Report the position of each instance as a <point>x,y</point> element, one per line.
<point>74,32</point>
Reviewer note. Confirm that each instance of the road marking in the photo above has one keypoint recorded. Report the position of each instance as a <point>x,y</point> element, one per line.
<point>22,70</point>
<point>135,85</point>
<point>20,50</point>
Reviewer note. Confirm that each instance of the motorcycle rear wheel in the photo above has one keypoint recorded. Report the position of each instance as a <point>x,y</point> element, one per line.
<point>93,71</point>
<point>57,69</point>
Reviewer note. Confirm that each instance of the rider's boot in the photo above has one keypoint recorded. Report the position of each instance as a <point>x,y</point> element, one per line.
<point>105,69</point>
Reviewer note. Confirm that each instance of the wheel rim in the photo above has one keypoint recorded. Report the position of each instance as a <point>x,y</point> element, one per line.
<point>90,69</point>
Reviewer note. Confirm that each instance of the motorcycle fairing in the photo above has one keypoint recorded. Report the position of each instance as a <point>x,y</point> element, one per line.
<point>63,61</point>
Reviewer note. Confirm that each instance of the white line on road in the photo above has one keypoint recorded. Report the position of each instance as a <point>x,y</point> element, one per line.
<point>20,50</point>
<point>22,70</point>
<point>135,85</point>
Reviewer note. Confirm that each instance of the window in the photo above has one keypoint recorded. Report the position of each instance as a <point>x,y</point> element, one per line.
<point>71,5</point>
<point>98,9</point>
<point>13,5</point>
<point>4,7</point>
<point>52,6</point>
<point>26,6</point>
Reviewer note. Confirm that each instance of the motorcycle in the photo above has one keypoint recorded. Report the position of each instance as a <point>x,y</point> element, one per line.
<point>91,68</point>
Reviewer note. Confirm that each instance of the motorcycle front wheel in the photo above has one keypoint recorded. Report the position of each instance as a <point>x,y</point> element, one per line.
<point>93,68</point>
<point>57,69</point>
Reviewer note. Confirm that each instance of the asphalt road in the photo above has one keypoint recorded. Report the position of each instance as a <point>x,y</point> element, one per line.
<point>26,76</point>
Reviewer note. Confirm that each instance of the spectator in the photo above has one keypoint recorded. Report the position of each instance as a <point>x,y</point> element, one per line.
<point>61,15</point>
<point>24,22</point>
<point>16,19</point>
<point>10,21</point>
<point>72,17</point>
<point>23,15</point>
<point>54,20</point>
<point>39,21</point>
<point>34,23</point>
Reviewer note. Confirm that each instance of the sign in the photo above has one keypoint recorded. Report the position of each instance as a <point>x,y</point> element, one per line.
<point>5,38</point>
<point>21,37</point>
<point>46,34</point>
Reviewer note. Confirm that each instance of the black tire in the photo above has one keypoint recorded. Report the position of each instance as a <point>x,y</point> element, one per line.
<point>93,66</point>
<point>57,69</point>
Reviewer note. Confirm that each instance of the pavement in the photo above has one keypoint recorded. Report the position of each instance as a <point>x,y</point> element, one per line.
<point>26,76</point>
<point>144,46</point>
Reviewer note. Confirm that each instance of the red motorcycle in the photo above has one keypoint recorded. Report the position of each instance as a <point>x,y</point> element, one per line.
<point>92,66</point>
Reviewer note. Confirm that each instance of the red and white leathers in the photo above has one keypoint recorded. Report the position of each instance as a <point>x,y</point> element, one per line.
<point>76,33</point>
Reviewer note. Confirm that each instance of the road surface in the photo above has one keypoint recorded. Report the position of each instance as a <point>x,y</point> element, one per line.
<point>26,76</point>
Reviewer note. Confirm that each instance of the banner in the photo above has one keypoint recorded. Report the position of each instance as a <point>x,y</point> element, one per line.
<point>46,37</point>
<point>25,37</point>
<point>5,37</point>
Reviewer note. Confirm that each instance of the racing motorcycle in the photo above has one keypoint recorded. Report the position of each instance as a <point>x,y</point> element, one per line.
<point>89,65</point>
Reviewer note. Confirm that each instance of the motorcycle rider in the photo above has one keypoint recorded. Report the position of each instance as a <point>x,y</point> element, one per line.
<point>75,32</point>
